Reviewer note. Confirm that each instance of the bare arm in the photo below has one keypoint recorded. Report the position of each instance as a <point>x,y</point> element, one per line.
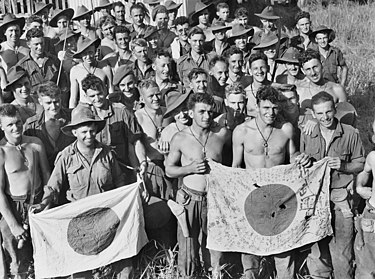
<point>107,70</point>
<point>74,89</point>
<point>340,93</point>
<point>364,177</point>
<point>344,75</point>
<point>238,146</point>
<point>43,161</point>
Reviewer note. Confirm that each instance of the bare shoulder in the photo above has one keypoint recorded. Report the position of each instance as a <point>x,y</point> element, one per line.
<point>287,128</point>
<point>243,128</point>
<point>34,141</point>
<point>179,139</point>
<point>218,129</point>
<point>371,159</point>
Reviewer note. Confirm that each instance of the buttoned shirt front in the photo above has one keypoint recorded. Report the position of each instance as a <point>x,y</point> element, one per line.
<point>334,59</point>
<point>149,72</point>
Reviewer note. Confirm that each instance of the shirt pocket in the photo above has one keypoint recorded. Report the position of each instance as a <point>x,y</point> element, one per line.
<point>104,176</point>
<point>74,178</point>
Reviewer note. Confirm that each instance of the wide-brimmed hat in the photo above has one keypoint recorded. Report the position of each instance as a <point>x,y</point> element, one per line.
<point>81,12</point>
<point>158,9</point>
<point>269,40</point>
<point>219,25</point>
<point>156,213</point>
<point>40,7</point>
<point>67,34</point>
<point>323,29</point>
<point>122,72</point>
<point>15,74</point>
<point>58,13</point>
<point>171,6</point>
<point>290,56</point>
<point>174,99</point>
<point>11,19</point>
<point>82,45</point>
<point>149,31</point>
<point>80,115</point>
<point>199,6</point>
<point>151,2</point>
<point>102,5</point>
<point>268,13</point>
<point>239,30</point>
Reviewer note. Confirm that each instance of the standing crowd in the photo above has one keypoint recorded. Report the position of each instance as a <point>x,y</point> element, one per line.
<point>88,106</point>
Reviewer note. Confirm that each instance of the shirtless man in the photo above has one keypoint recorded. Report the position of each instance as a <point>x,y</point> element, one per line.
<point>23,172</point>
<point>187,159</point>
<point>264,142</point>
<point>89,65</point>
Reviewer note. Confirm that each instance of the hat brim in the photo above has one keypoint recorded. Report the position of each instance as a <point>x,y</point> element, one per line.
<point>195,14</point>
<point>96,43</point>
<point>286,60</point>
<point>9,84</point>
<point>219,28</point>
<point>67,129</point>
<point>267,17</point>
<point>16,21</point>
<point>271,43</point>
<point>331,34</point>
<point>97,9</point>
<point>174,7</point>
<point>68,37</point>
<point>176,104</point>
<point>249,32</point>
<point>46,6</point>
<point>67,12</point>
<point>77,17</point>
<point>151,2</point>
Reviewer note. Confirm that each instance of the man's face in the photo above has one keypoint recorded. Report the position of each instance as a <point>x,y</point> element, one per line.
<point>35,24</point>
<point>235,63</point>
<point>241,42</point>
<point>313,70</point>
<point>44,15</point>
<point>270,52</point>
<point>259,70</point>
<point>196,42</point>
<point>71,44</point>
<point>162,67</point>
<point>202,115</point>
<point>127,85</point>
<point>172,15</point>
<point>151,97</point>
<point>322,40</point>
<point>21,88</point>
<point>182,31</point>
<point>223,14</point>
<point>303,25</point>
<point>36,45</point>
<point>219,35</point>
<point>268,25</point>
<point>153,40</point>
<point>267,111</point>
<point>122,40</point>
<point>86,134</point>
<point>140,53</point>
<point>289,101</point>
<point>242,20</point>
<point>137,16</point>
<point>182,115</point>
<point>161,20</point>
<point>85,21</point>
<point>325,114</point>
<point>119,13</point>
<point>96,97</point>
<point>88,55</point>
<point>204,17</point>
<point>220,72</point>
<point>292,68</point>
<point>62,22</point>
<point>12,126</point>
<point>105,12</point>
<point>236,102</point>
<point>13,33</point>
<point>51,106</point>
<point>199,84</point>
<point>107,30</point>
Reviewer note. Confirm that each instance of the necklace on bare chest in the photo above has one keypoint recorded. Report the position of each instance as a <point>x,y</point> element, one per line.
<point>265,143</point>
<point>158,129</point>
<point>203,145</point>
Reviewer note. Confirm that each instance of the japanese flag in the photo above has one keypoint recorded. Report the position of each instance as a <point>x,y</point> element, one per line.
<point>89,233</point>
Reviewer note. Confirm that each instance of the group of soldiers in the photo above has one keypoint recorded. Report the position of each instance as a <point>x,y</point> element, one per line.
<point>142,94</point>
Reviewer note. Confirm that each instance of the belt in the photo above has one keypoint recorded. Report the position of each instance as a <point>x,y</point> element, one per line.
<point>194,194</point>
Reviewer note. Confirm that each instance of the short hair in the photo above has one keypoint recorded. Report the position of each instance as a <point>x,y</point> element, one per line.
<point>257,56</point>
<point>221,5</point>
<point>92,82</point>
<point>235,88</point>
<point>137,6</point>
<point>321,97</point>
<point>268,93</point>
<point>34,18</point>
<point>216,59</point>
<point>308,55</point>
<point>161,53</point>
<point>104,20</point>
<point>160,9</point>
<point>302,14</point>
<point>8,110</point>
<point>48,89</point>
<point>287,88</point>
<point>120,29</point>
<point>194,31</point>
<point>195,72</point>
<point>242,11</point>
<point>117,4</point>
<point>181,20</point>
<point>146,84</point>
<point>233,50</point>
<point>200,98</point>
<point>138,42</point>
<point>34,33</point>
